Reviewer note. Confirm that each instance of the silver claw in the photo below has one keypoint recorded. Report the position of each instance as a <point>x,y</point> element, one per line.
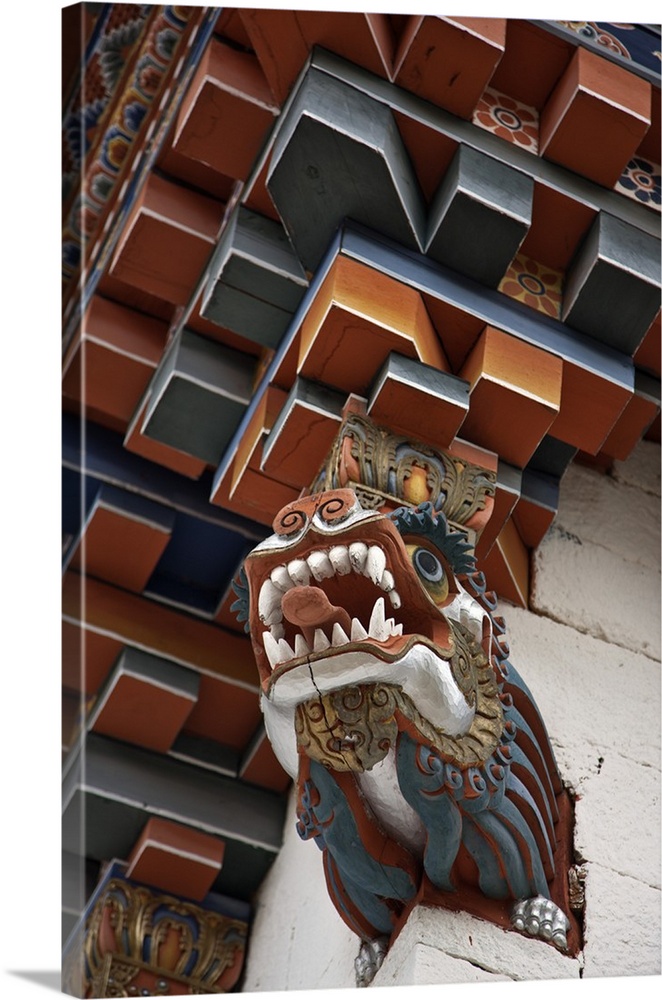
<point>540,917</point>
<point>369,960</point>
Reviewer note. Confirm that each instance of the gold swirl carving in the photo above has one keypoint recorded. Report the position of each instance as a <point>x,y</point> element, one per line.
<point>353,728</point>
<point>350,729</point>
<point>387,463</point>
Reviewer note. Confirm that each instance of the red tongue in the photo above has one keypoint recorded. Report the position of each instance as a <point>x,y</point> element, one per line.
<point>309,608</point>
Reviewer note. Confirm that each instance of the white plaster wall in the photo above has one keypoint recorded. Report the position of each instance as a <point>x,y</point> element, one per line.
<point>589,649</point>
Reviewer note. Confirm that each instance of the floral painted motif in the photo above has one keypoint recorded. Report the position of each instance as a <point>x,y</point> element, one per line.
<point>641,180</point>
<point>534,284</point>
<point>507,118</point>
<point>590,29</point>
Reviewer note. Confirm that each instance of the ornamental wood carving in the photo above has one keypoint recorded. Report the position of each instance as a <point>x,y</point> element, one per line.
<point>423,768</point>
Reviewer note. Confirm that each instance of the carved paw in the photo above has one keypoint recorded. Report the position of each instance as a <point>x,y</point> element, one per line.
<point>369,960</point>
<point>540,917</point>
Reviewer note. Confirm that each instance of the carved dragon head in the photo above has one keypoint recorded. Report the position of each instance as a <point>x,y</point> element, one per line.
<point>388,696</point>
<point>355,615</point>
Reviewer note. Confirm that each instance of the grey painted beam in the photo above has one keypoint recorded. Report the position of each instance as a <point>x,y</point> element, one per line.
<point>198,395</point>
<point>338,154</point>
<point>557,177</point>
<point>612,289</point>
<point>110,790</point>
<point>255,279</point>
<point>479,216</point>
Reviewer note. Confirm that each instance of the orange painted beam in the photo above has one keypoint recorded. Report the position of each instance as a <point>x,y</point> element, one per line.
<point>532,521</point>
<point>590,406</point>
<point>226,713</point>
<point>506,495</point>
<point>515,395</point>
<point>146,701</point>
<point>647,355</point>
<point>449,61</point>
<point>120,545</point>
<point>260,766</point>
<point>136,621</point>
<point>634,421</point>
<point>167,239</point>
<point>558,226</point>
<point>87,656</point>
<point>175,859</point>
<point>227,111</point>
<point>299,442</point>
<point>595,118</point>
<point>112,358</point>
<point>506,566</point>
<point>282,40</point>
<point>354,322</point>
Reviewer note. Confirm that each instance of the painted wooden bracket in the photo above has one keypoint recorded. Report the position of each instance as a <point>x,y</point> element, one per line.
<point>479,216</point>
<point>198,396</point>
<point>282,40</point>
<point>174,858</point>
<point>449,61</point>
<point>119,522</point>
<point>513,385</point>
<point>167,239</point>
<point>225,116</point>
<point>338,154</point>
<point>255,279</point>
<point>595,118</point>
<point>145,701</point>
<point>299,440</point>
<point>111,361</point>
<point>418,400</point>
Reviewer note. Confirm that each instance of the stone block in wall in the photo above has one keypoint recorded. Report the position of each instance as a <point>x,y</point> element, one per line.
<point>628,843</point>
<point>464,940</point>
<point>593,713</point>
<point>424,965</point>
<point>618,517</point>
<point>583,585</point>
<point>622,929</point>
<point>642,469</point>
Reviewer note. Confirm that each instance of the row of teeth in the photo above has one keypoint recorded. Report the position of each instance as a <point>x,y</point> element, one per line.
<point>278,650</point>
<point>358,557</point>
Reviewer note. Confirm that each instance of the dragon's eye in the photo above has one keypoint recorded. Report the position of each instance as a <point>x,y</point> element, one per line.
<point>430,570</point>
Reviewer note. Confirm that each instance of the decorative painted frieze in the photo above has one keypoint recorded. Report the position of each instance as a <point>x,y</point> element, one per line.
<point>136,942</point>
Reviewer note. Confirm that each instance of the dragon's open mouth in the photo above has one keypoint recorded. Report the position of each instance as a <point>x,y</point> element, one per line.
<point>301,602</point>
<point>302,606</point>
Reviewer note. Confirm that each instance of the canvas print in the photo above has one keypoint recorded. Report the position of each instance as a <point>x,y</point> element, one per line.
<point>361,499</point>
